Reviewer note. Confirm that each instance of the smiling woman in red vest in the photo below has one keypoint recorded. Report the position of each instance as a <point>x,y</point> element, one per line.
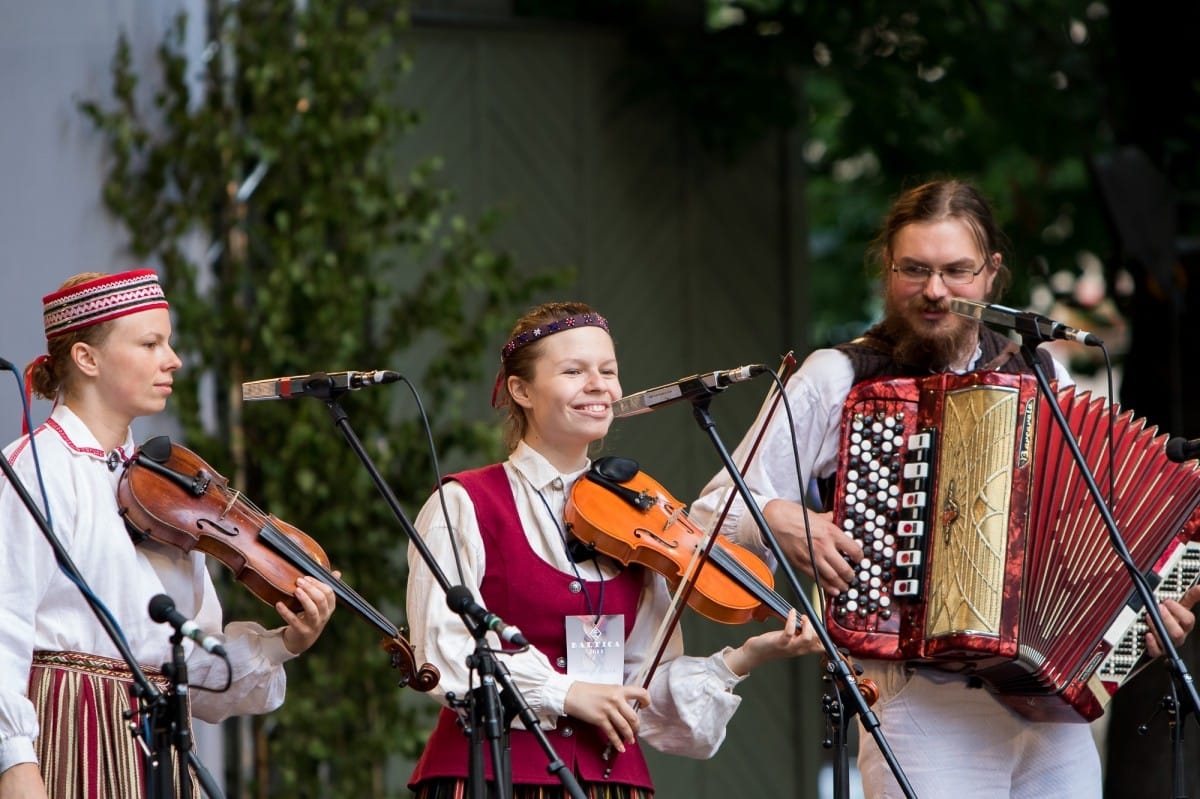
<point>590,622</point>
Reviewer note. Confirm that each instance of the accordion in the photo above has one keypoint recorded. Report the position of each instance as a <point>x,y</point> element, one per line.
<point>984,550</point>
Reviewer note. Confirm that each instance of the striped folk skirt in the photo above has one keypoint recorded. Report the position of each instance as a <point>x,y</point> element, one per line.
<point>450,788</point>
<point>86,748</point>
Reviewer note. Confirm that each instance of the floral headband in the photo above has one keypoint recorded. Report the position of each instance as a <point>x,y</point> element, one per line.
<point>101,300</point>
<point>538,333</point>
<point>557,326</point>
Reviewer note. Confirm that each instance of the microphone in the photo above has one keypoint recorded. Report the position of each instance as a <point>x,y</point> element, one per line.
<point>1179,449</point>
<point>1027,323</point>
<point>460,601</point>
<point>162,609</point>
<point>322,385</point>
<point>686,389</point>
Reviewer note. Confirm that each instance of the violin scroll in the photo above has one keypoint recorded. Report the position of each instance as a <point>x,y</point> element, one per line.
<point>404,660</point>
<point>866,687</point>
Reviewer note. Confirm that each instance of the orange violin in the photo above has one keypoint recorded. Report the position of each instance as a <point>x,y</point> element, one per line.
<point>621,512</point>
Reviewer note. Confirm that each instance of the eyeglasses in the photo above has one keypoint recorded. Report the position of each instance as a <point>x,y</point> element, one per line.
<point>952,276</point>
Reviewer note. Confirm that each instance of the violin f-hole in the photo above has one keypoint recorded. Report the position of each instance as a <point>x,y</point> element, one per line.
<point>206,523</point>
<point>642,531</point>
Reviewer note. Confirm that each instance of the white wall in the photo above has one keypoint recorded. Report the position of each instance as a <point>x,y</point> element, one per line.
<point>54,53</point>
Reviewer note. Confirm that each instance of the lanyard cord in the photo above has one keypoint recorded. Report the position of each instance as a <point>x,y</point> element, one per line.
<point>594,610</point>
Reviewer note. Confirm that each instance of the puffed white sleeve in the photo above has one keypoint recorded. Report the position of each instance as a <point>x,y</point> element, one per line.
<point>691,698</point>
<point>440,636</point>
<point>255,673</point>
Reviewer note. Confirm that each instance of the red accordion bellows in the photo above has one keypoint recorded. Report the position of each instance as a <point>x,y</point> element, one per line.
<point>985,551</point>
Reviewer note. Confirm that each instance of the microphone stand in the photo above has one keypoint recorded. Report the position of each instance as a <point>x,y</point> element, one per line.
<point>484,704</point>
<point>158,779</point>
<point>836,667</point>
<point>1181,678</point>
<point>833,705</point>
<point>489,713</point>
<point>173,729</point>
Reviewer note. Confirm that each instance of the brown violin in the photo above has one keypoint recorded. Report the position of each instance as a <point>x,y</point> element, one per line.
<point>168,494</point>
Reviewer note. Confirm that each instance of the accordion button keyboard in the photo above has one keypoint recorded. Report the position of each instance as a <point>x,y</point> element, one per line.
<point>882,484</point>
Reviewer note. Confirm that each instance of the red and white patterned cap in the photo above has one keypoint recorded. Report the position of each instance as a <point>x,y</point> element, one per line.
<point>101,300</point>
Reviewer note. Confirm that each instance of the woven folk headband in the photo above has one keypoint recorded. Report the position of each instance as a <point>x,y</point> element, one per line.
<point>557,326</point>
<point>101,300</point>
<point>537,334</point>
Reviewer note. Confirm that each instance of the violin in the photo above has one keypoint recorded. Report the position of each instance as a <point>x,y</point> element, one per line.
<point>168,494</point>
<point>619,511</point>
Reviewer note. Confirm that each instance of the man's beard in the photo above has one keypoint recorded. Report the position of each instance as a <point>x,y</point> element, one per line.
<point>922,349</point>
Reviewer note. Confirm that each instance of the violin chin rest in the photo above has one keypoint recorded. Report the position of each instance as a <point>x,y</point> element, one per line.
<point>619,470</point>
<point>157,449</point>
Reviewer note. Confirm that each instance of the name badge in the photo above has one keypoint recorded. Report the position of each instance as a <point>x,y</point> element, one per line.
<point>596,648</point>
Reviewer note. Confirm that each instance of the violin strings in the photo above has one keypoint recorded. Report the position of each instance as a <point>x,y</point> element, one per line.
<point>302,560</point>
<point>738,570</point>
<point>733,567</point>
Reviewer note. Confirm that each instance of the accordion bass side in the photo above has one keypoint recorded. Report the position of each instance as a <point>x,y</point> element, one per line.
<point>984,551</point>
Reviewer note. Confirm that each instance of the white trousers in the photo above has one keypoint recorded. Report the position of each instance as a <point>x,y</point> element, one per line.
<point>953,741</point>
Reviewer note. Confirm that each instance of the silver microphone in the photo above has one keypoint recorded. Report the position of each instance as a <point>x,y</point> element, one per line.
<point>322,385</point>
<point>686,389</point>
<point>1026,323</point>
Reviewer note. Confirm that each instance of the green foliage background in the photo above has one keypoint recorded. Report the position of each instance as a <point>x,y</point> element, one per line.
<point>885,94</point>
<point>264,182</point>
<point>335,253</point>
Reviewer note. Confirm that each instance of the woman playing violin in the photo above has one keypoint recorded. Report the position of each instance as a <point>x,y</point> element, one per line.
<point>503,526</point>
<point>109,361</point>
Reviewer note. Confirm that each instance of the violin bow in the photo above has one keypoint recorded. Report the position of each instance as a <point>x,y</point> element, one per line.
<point>679,599</point>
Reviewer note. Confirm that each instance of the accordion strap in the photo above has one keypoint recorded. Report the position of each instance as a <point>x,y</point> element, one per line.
<point>1011,350</point>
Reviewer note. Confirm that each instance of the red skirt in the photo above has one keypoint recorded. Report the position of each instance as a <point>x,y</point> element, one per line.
<point>85,746</point>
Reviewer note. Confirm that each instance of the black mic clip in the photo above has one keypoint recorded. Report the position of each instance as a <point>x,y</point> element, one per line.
<point>459,599</point>
<point>162,609</point>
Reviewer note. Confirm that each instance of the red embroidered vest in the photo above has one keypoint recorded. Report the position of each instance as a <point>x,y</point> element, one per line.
<point>518,586</point>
